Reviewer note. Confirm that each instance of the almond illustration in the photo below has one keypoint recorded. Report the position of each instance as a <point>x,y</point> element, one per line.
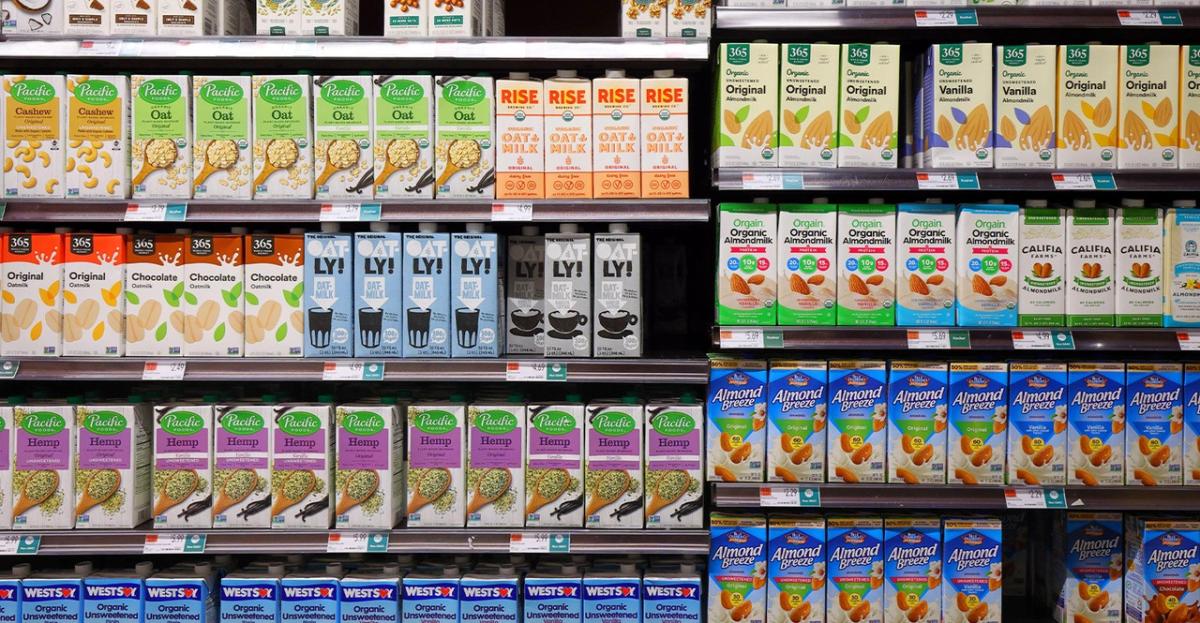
<point>981,456</point>
<point>998,281</point>
<point>784,475</point>
<point>980,286</point>
<point>758,133</point>
<point>976,614</point>
<point>908,477</point>
<point>902,600</point>
<point>935,280</point>
<point>1085,444</point>
<point>858,286</point>
<point>816,280</point>
<point>846,475</point>
<point>1074,133</point>
<point>756,279</point>
<point>1098,602</point>
<point>789,121</point>
<point>1043,456</point>
<point>922,456</point>
<point>851,123</point>
<point>874,280</point>
<point>918,611</point>
<point>739,285</point>
<point>917,285</point>
<point>1028,477</point>
<point>1103,113</point>
<point>860,611</point>
<point>1086,477</point>
<point>1101,456</point>
<point>819,131</point>
<point>797,285</point>
<point>966,477</point>
<point>731,122</point>
<point>1160,456</point>
<point>725,473</point>
<point>861,454</point>
<point>1134,133</point>
<point>802,454</point>
<point>961,601</point>
<point>879,132</point>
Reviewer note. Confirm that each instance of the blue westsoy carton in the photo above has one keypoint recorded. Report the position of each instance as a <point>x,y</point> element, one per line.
<point>475,287</point>
<point>55,596</point>
<point>311,596</point>
<point>181,594</point>
<point>671,594</point>
<point>10,593</point>
<point>612,593</point>
<point>328,293</point>
<point>378,292</point>
<point>491,593</point>
<point>370,596</point>
<point>251,595</point>
<point>116,596</point>
<point>554,594</point>
<point>430,595</point>
<point>426,293</point>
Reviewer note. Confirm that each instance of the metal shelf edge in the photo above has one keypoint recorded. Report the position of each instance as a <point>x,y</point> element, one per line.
<point>997,339</point>
<point>890,18</point>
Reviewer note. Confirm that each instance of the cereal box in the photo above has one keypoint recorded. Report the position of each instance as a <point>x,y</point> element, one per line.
<point>1091,568</point>
<point>674,463</point>
<point>1189,106</point>
<point>1037,431</point>
<point>456,18</point>
<point>869,105</point>
<point>370,465</point>
<point>737,568</point>
<point>43,477</point>
<point>274,295</point>
<point>407,18</point>
<point>46,19</point>
<point>857,421</point>
<point>1154,414</point>
<point>328,293</point>
<point>97,137</point>
<point>643,18</point>
<point>690,19</point>
<point>1181,264</point>
<point>34,111</point>
<point>664,135</point>
<point>94,295</point>
<point>614,461</point>
<point>866,265</point>
<point>403,139</point>
<point>213,316</point>
<point>222,137</point>
<point>796,570</point>
<point>925,238</point>
<point>343,158</point>
<point>466,137</point>
<point>1148,128</point>
<point>241,465</point>
<point>747,98</point>
<point>1191,424</point>
<point>568,136</point>
<point>302,466</point>
<point>331,17</point>
<point>978,419</point>
<point>808,104</point>
<point>276,18</point>
<point>912,587</point>
<point>554,464</point>
<point>1042,300</point>
<point>1096,424</point>
<point>616,135</point>
<point>437,456</point>
<point>988,264</point>
<point>796,416</point>
<point>855,568</point>
<point>746,251</point>
<point>496,464</point>
<point>134,17</point>
<point>520,125</point>
<point>1087,106</point>
<point>1161,557</point>
<point>1025,105</point>
<point>283,158</point>
<point>154,287</point>
<point>1091,300</point>
<point>1139,262</point>
<point>162,134</point>
<point>956,111</point>
<point>183,457</point>
<point>917,399</point>
<point>737,413</point>
<point>112,482</point>
<point>32,323</point>
<point>972,571</point>
<point>807,264</point>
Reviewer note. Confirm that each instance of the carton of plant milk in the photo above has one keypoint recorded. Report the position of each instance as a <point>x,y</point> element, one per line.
<point>302,467</point>
<point>796,569</point>
<point>674,463</point>
<point>612,591</point>
<point>339,17</point>
<point>154,272</point>
<point>1096,424</point>
<point>478,320</point>
<point>33,295</point>
<point>1189,106</point>
<point>370,466</point>
<point>525,286</point>
<point>1139,264</point>
<point>1091,568</point>
<point>988,265</point>
<point>737,414</point>
<point>796,416</point>
<point>746,274</point>
<point>426,293</point>
<point>520,126</point>
<point>1025,105</point>
<point>43,467</point>
<point>1191,424</point>
<point>1161,555</point>
<point>343,159</point>
<point>112,482</point>
<point>283,149</point>
<point>869,105</point>
<point>329,293</point>
<point>737,567</point>
<point>568,290</point>
<point>1148,128</point>
<point>690,19</point>
<point>912,549</point>
<point>213,320</point>
<point>957,107</point>
<point>492,592</point>
<point>456,18</point>
<point>554,464</point>
<point>617,287</point>
<point>437,456</point>
<point>97,137</point>
<point>1037,432</point>
<point>616,135</point>
<point>568,136</point>
<point>866,265</point>
<point>251,593</point>
<point>1042,300</point>
<point>857,421</point>
<point>925,236</point>
<point>977,422</point>
<point>614,463</point>
<point>747,100</point>
<point>186,592</point>
<point>276,17</point>
<point>1181,266</point>
<point>378,292</point>
<point>807,264</point>
<point>664,136</point>
<point>403,138</point>
<point>134,17</point>
<point>465,152</point>
<point>1091,299</point>
<point>1087,106</point>
<point>7,442</point>
<point>222,135</point>
<point>242,465</point>
<point>183,466</point>
<point>407,18</point>
<point>854,546</point>
<point>274,295</point>
<point>808,104</point>
<point>34,108</point>
<point>1154,413</point>
<point>972,570</point>
<point>430,589</point>
<point>162,133</point>
<point>918,405</point>
<point>496,464</point>
<point>643,18</point>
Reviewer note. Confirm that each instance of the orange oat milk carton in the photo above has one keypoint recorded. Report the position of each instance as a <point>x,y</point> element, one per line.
<point>568,136</point>
<point>31,324</point>
<point>93,295</point>
<point>664,145</point>
<point>213,320</point>
<point>616,135</point>
<point>521,134</point>
<point>154,282</point>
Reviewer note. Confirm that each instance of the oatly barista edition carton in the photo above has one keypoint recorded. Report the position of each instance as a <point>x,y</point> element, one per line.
<point>329,293</point>
<point>568,290</point>
<point>617,287</point>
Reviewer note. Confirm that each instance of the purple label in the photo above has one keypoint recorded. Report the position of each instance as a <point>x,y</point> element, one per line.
<point>495,440</point>
<point>666,452</point>
<point>49,452</point>
<point>554,451</point>
<point>241,451</point>
<point>432,450</point>
<point>362,451</point>
<point>4,450</point>
<point>614,441</point>
<point>307,452</point>
<point>105,451</point>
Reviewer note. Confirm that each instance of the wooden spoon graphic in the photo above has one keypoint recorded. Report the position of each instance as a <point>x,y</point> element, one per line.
<point>47,485</point>
<point>213,153</point>
<point>479,498</point>
<point>87,500</point>
<point>416,501</point>
<point>149,165</point>
<point>538,500</point>
<point>658,501</point>
<point>225,500</point>
<point>282,502</point>
<point>187,486</point>
<point>619,478</point>
<point>469,159</point>
<point>367,481</point>
<point>332,166</point>
<point>396,160</point>
<point>270,166</point>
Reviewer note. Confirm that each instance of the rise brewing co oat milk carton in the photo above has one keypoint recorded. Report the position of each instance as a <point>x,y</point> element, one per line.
<point>614,463</point>
<point>925,255</point>
<point>617,292</point>
<point>426,293</point>
<point>242,465</point>
<point>437,456</point>
<point>746,273</point>
<point>568,291</point>
<point>94,309</point>
<point>1090,569</point>
<point>378,292</point>
<point>857,421</point>
<point>520,126</point>
<point>329,293</point>
<point>1154,412</point>
<point>664,136</point>
<point>796,570</point>
<point>1159,576</point>
<point>154,272</point>
<point>1096,424</point>
<point>554,464</point>
<point>978,419</point>
<point>971,570</point>
<point>988,265</point>
<point>1037,430</point>
<point>917,413</point>
<point>737,568</point>
<point>807,264</point>
<point>797,405</point>
<point>476,287</point>
<point>912,551</point>
<point>616,132</point>
<point>525,287</point>
<point>737,413</point>
<point>274,299</point>
<point>855,568</point>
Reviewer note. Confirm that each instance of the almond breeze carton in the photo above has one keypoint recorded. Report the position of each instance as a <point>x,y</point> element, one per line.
<point>437,456</point>
<point>1025,105</point>
<point>1037,432</point>
<point>796,570</point>
<point>1042,300</point>
<point>1087,107</point>
<point>917,398</point>
<point>746,273</point>
<point>796,416</point>
<point>737,413</point>
<point>912,549</point>
<point>971,570</point>
<point>496,464</point>
<point>1160,576</point>
<point>855,568</point>
<point>1090,569</point>
<point>957,107</point>
<point>925,254</point>
<point>554,464</point>
<point>988,265</point>
<point>807,264</point>
<point>857,421</point>
<point>1148,128</point>
<point>808,104</point>
<point>1096,424</point>
<point>1191,424</point>
<point>869,105</point>
<point>1154,412</point>
<point>737,568</point>
<point>978,419</point>
<point>1139,267</point>
<point>866,257</point>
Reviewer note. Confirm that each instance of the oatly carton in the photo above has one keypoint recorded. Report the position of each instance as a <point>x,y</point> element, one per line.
<point>1037,432</point>
<point>525,287</point>
<point>1160,575</point>
<point>972,570</point>
<point>378,292</point>
<point>807,264</point>
<point>1191,424</point>
<point>426,293</point>
<point>1090,568</point>
<point>796,570</point>
<point>1096,424</point>
<point>568,290</point>
<point>617,287</point>
<point>737,568</point>
<point>857,421</point>
<point>475,284</point>
<point>917,412</point>
<point>796,408</point>
<point>1154,441</point>
<point>854,547</point>
<point>978,420</point>
<point>737,414</point>
<point>329,294</point>
<point>212,318</point>
<point>912,551</point>
<point>274,295</point>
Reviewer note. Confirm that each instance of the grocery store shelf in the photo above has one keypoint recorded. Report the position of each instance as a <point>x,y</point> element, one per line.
<point>849,339</point>
<point>602,210</point>
<point>901,18</point>
<point>989,180</point>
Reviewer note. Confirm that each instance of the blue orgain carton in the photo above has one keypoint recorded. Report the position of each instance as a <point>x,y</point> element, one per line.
<point>912,551</point>
<point>796,569</point>
<point>328,294</point>
<point>378,292</point>
<point>475,285</point>
<point>430,595</point>
<point>1154,415</point>
<point>182,594</point>
<point>1037,426</point>
<point>1096,424</point>
<point>971,570</point>
<point>427,293</point>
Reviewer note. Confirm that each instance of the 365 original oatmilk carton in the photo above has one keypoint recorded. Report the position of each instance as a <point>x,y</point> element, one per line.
<point>925,254</point>
<point>1096,424</point>
<point>866,265</point>
<point>1091,568</point>
<point>1087,107</point>
<point>274,295</point>
<point>746,271</point>
<point>971,570</point>
<point>1042,300</point>
<point>1025,106</point>
<point>32,321</point>
<point>1154,416</point>
<point>1148,128</point>
<point>1091,300</point>
<point>747,99</point>
<point>437,456</point>
<point>808,104</point>
<point>855,569</point>
<point>918,396</point>
<point>94,311</point>
<point>978,420</point>
<point>154,283</point>
<point>988,264</point>
<point>858,406</point>
<point>869,105</point>
<point>807,264</point>
<point>1139,267</point>
<point>737,568</point>
<point>912,551</point>
<point>737,414</point>
<point>797,406</point>
<point>796,570</point>
<point>1037,429</point>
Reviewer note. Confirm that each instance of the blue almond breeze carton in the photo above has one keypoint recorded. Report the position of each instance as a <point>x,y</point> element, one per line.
<point>612,593</point>
<point>1096,424</point>
<point>912,551</point>
<point>430,594</point>
<point>310,596</point>
<point>796,409</point>
<point>737,412</point>
<point>971,569</point>
<point>58,595</point>
<point>1154,417</point>
<point>737,563</point>
<point>116,596</point>
<point>854,550</point>
<point>978,420</point>
<point>917,414</point>
<point>796,569</point>
<point>477,323</point>
<point>671,594</point>
<point>251,595</point>
<point>1037,423</point>
<point>328,293</point>
<point>426,293</point>
<point>553,593</point>
<point>491,593</point>
<point>1088,572</point>
<point>182,594</point>
<point>1191,424</point>
<point>378,292</point>
<point>370,596</point>
<point>857,420</point>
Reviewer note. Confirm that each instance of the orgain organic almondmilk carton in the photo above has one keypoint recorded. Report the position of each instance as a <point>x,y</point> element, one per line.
<point>977,422</point>
<point>797,405</point>
<point>1096,424</point>
<point>807,270</point>
<point>855,569</point>
<point>1025,106</point>
<point>857,420</point>
<point>925,256</point>
<point>737,413</point>
<point>746,257</point>
<point>808,104</point>
<point>1042,300</point>
<point>869,104</point>
<point>1037,427</point>
<point>918,396</point>
<point>866,255</point>
<point>988,264</point>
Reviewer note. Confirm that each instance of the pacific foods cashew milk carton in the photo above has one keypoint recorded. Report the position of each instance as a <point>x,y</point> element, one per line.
<point>855,568</point>
<point>912,549</point>
<point>1148,128</point>
<point>183,466</point>
<point>465,152</point>
<point>154,281</point>
<point>617,287</point>
<point>746,273</point>
<point>1037,432</point>
<point>978,419</point>
<point>1181,264</point>
<point>242,465</point>
<point>370,466</point>
<point>869,105</point>
<point>1025,105</point>
<point>274,295</point>
<point>222,136</point>
<point>437,457</point>
<point>33,295</point>
<point>213,319</point>
<point>403,138</point>
<point>1042,300</point>
<point>302,466</point>
<point>664,135</point>
<point>1159,576</point>
<point>43,476</point>
<point>283,150</point>
<point>34,125</point>
<point>674,463</point>
<point>797,405</point>
<point>162,137</point>
<point>114,449</point>
<point>808,104</point>
<point>796,569</point>
<point>747,99</point>
<point>971,570</point>
<point>554,464</point>
<point>568,290</point>
<point>1096,424</point>
<point>568,136</point>
<point>857,421</point>
<point>342,156</point>
<point>1091,300</point>
<point>496,464</point>
<point>1189,106</point>
<point>737,568</point>
<point>988,265</point>
<point>957,111</point>
<point>918,395</point>
<point>98,127</point>
<point>807,264</point>
<point>525,286</point>
<point>1154,415</point>
<point>1191,424</point>
<point>1087,106</point>
<point>328,294</point>
<point>1091,568</point>
<point>613,476</point>
<point>426,292</point>
<point>866,265</point>
<point>1139,267</point>
<point>737,414</point>
<point>378,292</point>
<point>616,135</point>
<point>925,239</point>
<point>520,126</point>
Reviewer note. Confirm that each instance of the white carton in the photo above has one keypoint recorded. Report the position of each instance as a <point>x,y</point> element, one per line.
<point>988,264</point>
<point>187,18</point>
<point>1148,128</point>
<point>31,324</point>
<point>808,104</point>
<point>745,124</point>
<point>183,466</point>
<point>1091,299</point>
<point>617,135</point>
<point>643,18</point>
<point>274,293</point>
<point>242,465</point>
<point>277,17</point>
<point>212,319</point>
<point>746,256</point>
<point>1043,297</point>
<point>807,264</point>
<point>35,124</point>
<point>283,158</point>
<point>1025,104</point>
<point>869,105</point>
<point>496,465</point>
<point>86,17</point>
<point>957,107</point>
<point>403,139</point>
<point>664,136</point>
<point>437,457</point>
<point>925,261</point>
<point>569,137</point>
<point>554,465</point>
<point>7,441</point>
<point>1181,265</point>
<point>690,19</point>
<point>154,282</point>
<point>614,474</point>
<point>302,466</point>
<point>1139,267</point>
<point>162,137</point>
<point>370,466</point>
<point>222,137</point>
<point>342,118</point>
<point>406,18</point>
<point>112,482</point>
<point>520,125</point>
<point>133,17</point>
<point>674,463</point>
<point>43,476</point>
<point>1087,107</point>
<point>97,137</point>
<point>329,17</point>
<point>456,18</point>
<point>47,19</point>
<point>94,295</point>
<point>867,265</point>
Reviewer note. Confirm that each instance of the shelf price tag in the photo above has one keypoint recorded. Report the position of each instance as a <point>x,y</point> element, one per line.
<point>9,368</point>
<point>790,495</point>
<point>1149,17</point>
<point>1188,340</point>
<point>512,211</point>
<point>368,542</point>
<point>100,47</point>
<point>539,543</point>
<point>932,339</point>
<point>20,544</point>
<point>772,180</point>
<point>750,337</point>
<point>174,543</point>
<point>343,212</point>
<point>164,370</point>
<point>947,180</point>
<point>1083,181</point>
<point>947,17</point>
<point>352,371</point>
<point>1043,340</point>
<point>176,212</point>
<point>1029,497</point>
<point>533,371</point>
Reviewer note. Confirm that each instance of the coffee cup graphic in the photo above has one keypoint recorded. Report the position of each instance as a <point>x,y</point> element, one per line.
<point>418,327</point>
<point>617,320</point>
<point>526,319</point>
<point>370,327</point>
<point>320,324</point>
<point>466,327</point>
<point>566,321</point>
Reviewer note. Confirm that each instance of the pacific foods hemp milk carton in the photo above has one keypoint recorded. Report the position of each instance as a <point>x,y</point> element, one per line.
<point>988,265</point>
<point>617,287</point>
<point>437,456</point>
<point>32,321</point>
<point>328,293</point>
<point>1025,105</point>
<point>1091,300</point>
<point>274,295</point>
<point>613,476</point>
<point>496,464</point>
<point>370,466</point>
<point>43,477</point>
<point>213,319</point>
<point>222,135</point>
<point>520,126</point>
<point>183,465</point>
<point>737,414</point>
<point>869,105</point>
<point>1037,432</point>
<point>154,276</point>
<point>568,290</point>
<point>674,463</point>
<point>808,104</point>
<point>747,99</point>
<point>162,137</point>
<point>807,264</point>
<point>797,406</point>
<point>918,396</point>
<point>1042,301</point>
<point>925,258</point>
<point>972,570</point>
<point>427,292</point>
<point>525,287</point>
<point>1096,424</point>
<point>98,130</point>
<point>1148,129</point>
<point>34,125</point>
<point>94,311</point>
<point>746,273</point>
<point>283,157</point>
<point>796,571</point>
<point>957,107</point>
<point>302,467</point>
<point>855,568</point>
<point>1139,267</point>
<point>343,159</point>
<point>1087,106</point>
<point>465,151</point>
<point>616,135</point>
<point>7,441</point>
<point>737,568</point>
<point>978,419</point>
<point>242,465</point>
<point>858,401</point>
<point>1189,106</point>
<point>866,265</point>
<point>1091,568</point>
<point>664,135</point>
<point>403,136</point>
<point>1154,414</point>
<point>554,464</point>
<point>1181,264</point>
<point>912,551</point>
<point>112,482</point>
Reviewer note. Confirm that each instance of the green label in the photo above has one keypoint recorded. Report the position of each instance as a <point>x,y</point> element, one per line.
<point>447,21</point>
<point>799,53</point>
<point>464,104</point>
<point>242,422</point>
<point>554,423</point>
<point>160,92</point>
<point>343,111</point>
<point>613,423</point>
<point>737,53</point>
<point>858,54</point>
<point>222,113</point>
<point>950,53</point>
<point>1194,55</point>
<point>1040,320</point>
<point>280,112</point>
<point>1139,320</point>
<point>496,422</point>
<point>1015,55</point>
<point>362,423</point>
<point>299,423</point>
<point>105,422</point>
<point>673,423</point>
<point>1137,55</point>
<point>1078,55</point>
<point>182,423</point>
<point>435,422</point>
<point>401,92</point>
<point>342,92</point>
<point>32,92</point>
<point>160,111</point>
<point>402,111</point>
<point>280,92</point>
<point>464,93</point>
<point>222,93</point>
<point>94,92</point>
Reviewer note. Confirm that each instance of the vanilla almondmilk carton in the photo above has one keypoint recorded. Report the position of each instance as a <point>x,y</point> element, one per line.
<point>746,257</point>
<point>912,588</point>
<point>1181,265</point>
<point>1191,424</point>
<point>925,264</point>
<point>213,320</point>
<point>796,569</point>
<point>569,144</point>
<point>1037,427</point>
<point>737,414</point>
<point>112,481</point>
<point>1091,568</point>
<point>978,419</point>
<point>496,464</point>
<point>808,104</point>
<point>154,281</point>
<point>988,264</point>
<point>869,105</point>
<point>1148,128</point>
<point>866,265</point>
<point>664,136</point>
<point>370,466</point>
<point>807,269</point>
<point>616,135</point>
<point>737,568</point>
<point>1025,106</point>
<point>520,126</point>
<point>1096,424</point>
<point>854,569</point>
<point>1154,420</point>
<point>403,135</point>
<point>857,420</point>
<point>1042,300</point>
<point>971,570</point>
<point>918,397</point>
<point>1139,267</point>
<point>436,464</point>
<point>94,311</point>
<point>1091,296</point>
<point>242,464</point>
<point>32,321</point>
<point>1087,106</point>
<point>569,292</point>
<point>957,107</point>
<point>274,295</point>
<point>797,405</point>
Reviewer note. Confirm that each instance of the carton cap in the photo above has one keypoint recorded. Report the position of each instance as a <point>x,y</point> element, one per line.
<point>276,570</point>
<point>529,230</point>
<point>614,73</point>
<point>392,568</point>
<point>1083,203</point>
<point>1128,202</point>
<point>518,75</point>
<point>618,228</point>
<point>875,201</point>
<point>62,230</point>
<point>474,228</point>
<point>240,231</point>
<point>566,73</point>
<point>820,200</point>
<point>1183,203</point>
<point>664,73</point>
<point>1035,203</point>
<point>427,228</point>
<point>995,201</point>
<point>144,569</point>
<point>330,228</point>
<point>568,228</point>
<point>83,568</point>
<point>377,226</point>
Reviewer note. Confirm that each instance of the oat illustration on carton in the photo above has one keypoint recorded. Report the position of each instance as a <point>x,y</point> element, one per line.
<point>1025,106</point>
<point>1191,423</point>
<point>162,137</point>
<point>1091,298</point>
<point>737,418</point>
<point>1139,260</point>
<point>97,163</point>
<point>988,265</point>
<point>213,318</point>
<point>31,324</point>
<point>342,156</point>
<point>93,295</point>
<point>737,568</point>
<point>977,422</point>
<point>869,105</point>
<point>807,264</point>
<point>796,570</point>
<point>745,132</point>
<point>855,568</point>
<point>403,136</point>
<point>956,112</point>
<point>154,289</point>
<point>276,17</point>
<point>465,150</point>
<point>912,551</point>
<point>808,104</point>
<point>1042,301</point>
<point>1090,568</point>
<point>1096,424</point>
<point>918,406</point>
<point>866,265</point>
<point>222,137</point>
<point>1087,107</point>
<point>925,257</point>
<point>797,406</point>
<point>972,571</point>
<point>1154,415</point>
<point>1148,129</point>
<point>34,108</point>
<point>857,421</point>
<point>283,159</point>
<point>1037,431</point>
<point>746,274</point>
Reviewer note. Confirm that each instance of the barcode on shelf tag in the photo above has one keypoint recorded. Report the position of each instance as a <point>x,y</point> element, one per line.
<point>175,212</point>
<point>946,17</point>
<point>922,339</point>
<point>534,371</point>
<point>352,371</point>
<point>1149,17</point>
<point>164,370</point>
<point>9,368</point>
<point>1029,497</point>
<point>174,543</point>
<point>947,180</point>
<point>20,544</point>
<point>368,542</point>
<point>512,211</point>
<point>539,543</point>
<point>1025,339</point>
<point>789,495</point>
<point>343,212</point>
<point>1188,340</point>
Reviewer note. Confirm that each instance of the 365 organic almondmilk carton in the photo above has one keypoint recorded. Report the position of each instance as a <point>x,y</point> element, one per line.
<point>43,477</point>
<point>403,138</point>
<point>1148,128</point>
<point>1160,555</point>
<point>183,465</point>
<point>1096,424</point>
<point>1181,267</point>
<point>616,134</point>
<point>855,569</point>
<point>971,570</point>
<point>737,567</point>
<point>746,271</point>
<point>664,136</point>
<point>918,396</point>
<point>437,456</point>
<point>162,137</point>
<point>1189,106</point>
<point>957,107</point>
<point>213,317</point>
<point>808,104</point>
<point>520,127</point>
<point>32,322</point>
<point>1042,300</point>
<point>283,137</point>
<point>858,405</point>
<point>978,419</point>
<point>912,551</point>
<point>465,151</point>
<point>988,264</point>
<point>568,136</point>
<point>1087,106</point>
<point>869,105</point>
<point>343,159</point>
<point>797,406</point>
<point>1154,417</point>
<point>34,109</point>
<point>1191,423</point>
<point>94,309</point>
<point>1139,267</point>
<point>97,137</point>
<point>1091,299</point>
<point>796,570</point>
<point>747,100</point>
<point>274,295</point>
<point>1090,568</point>
<point>614,464</point>
<point>807,264</point>
<point>1037,430</point>
<point>866,257</point>
<point>1025,105</point>
<point>222,137</point>
<point>154,284</point>
<point>737,416</point>
<point>925,250</point>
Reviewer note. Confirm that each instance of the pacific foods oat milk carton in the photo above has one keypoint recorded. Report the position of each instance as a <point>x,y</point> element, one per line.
<point>328,293</point>
<point>403,136</point>
<point>858,404</point>
<point>737,567</point>
<point>797,406</point>
<point>43,477</point>
<point>378,292</point>
<point>183,465</point>
<point>520,127</point>
<point>465,152</point>
<point>274,295</point>
<point>747,98</point>
<point>978,419</point>
<point>525,287</point>
<point>988,265</point>
<point>97,137</point>
<point>1091,299</point>
<point>1139,267</point>
<point>154,283</point>
<point>554,464</point>
<point>568,290</point>
<point>94,309</point>
<point>674,463</point>
<point>746,274</point>
<point>242,464</point>
<point>213,317</point>
<point>808,104</point>
<point>617,288</point>
<point>737,414</point>
<point>1037,432</point>
<point>370,465</point>
<point>1096,424</point>
<point>343,159</point>
<point>957,107</point>
<point>1189,106</point>
<point>918,396</point>
<point>925,239</point>
<point>617,135</point>
<point>796,569</point>
<point>1087,106</point>
<point>1191,424</point>
<point>1091,568</point>
<point>1181,266</point>
<point>664,135</point>
<point>869,105</point>
<point>34,108</point>
<point>437,456</point>
<point>1154,414</point>
<point>112,482</point>
<point>1042,301</point>
<point>866,265</point>
<point>1025,106</point>
<point>302,467</point>
<point>222,136</point>
<point>568,136</point>
<point>1148,129</point>
<point>912,588</point>
<point>496,464</point>
<point>427,292</point>
<point>162,137</point>
<point>32,321</point>
<point>283,158</point>
<point>807,264</point>
<point>855,568</point>
<point>613,477</point>
<point>971,570</point>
